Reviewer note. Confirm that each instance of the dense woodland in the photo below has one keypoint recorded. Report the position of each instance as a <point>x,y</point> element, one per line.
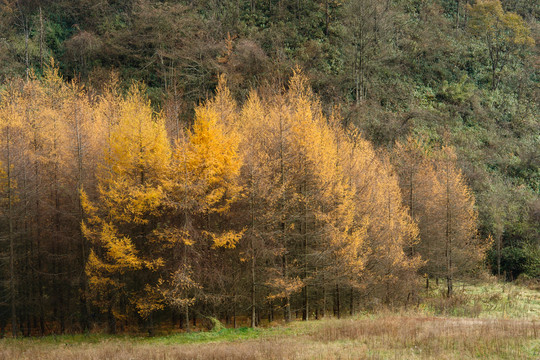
<point>168,162</point>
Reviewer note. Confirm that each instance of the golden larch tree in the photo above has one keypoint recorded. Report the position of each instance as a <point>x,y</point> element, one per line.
<point>122,267</point>
<point>201,186</point>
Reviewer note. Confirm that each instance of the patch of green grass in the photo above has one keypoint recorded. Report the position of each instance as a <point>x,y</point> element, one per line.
<point>207,336</point>
<point>194,337</point>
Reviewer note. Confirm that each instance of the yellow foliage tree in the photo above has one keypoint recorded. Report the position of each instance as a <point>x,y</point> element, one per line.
<point>443,206</point>
<point>201,186</point>
<point>453,204</point>
<point>418,182</point>
<point>123,264</point>
<point>390,230</point>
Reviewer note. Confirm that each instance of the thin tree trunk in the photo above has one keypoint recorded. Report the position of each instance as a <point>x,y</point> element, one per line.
<point>287,314</point>
<point>186,229</point>
<point>234,314</point>
<point>186,314</point>
<point>287,310</point>
<point>499,255</point>
<point>59,303</point>
<point>253,298</point>
<point>305,314</point>
<point>38,226</point>
<point>83,306</point>
<point>323,312</point>
<point>253,309</point>
<point>12,288</point>
<point>338,302</point>
<point>448,236</point>
<point>351,308</point>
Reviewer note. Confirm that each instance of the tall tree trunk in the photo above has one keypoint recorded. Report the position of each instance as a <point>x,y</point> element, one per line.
<point>38,227</point>
<point>83,284</point>
<point>11,239</point>
<point>60,285</point>
<point>448,236</point>
<point>287,309</point>
<point>305,313</point>
<point>253,308</point>
<point>252,210</point>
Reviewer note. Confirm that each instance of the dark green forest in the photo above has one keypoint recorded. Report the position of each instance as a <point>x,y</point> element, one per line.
<point>458,73</point>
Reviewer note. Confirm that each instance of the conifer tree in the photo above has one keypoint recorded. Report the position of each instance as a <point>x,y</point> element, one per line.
<point>443,207</point>
<point>390,231</point>
<point>121,266</point>
<point>201,186</point>
<point>454,205</point>
<point>419,183</point>
<point>259,240</point>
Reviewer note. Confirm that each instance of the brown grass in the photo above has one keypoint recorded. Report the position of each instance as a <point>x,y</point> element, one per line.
<point>386,337</point>
<point>439,337</point>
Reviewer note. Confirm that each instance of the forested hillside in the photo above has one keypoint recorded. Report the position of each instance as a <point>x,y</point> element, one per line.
<point>168,160</point>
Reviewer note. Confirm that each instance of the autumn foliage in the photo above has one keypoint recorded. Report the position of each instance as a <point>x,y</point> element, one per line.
<point>266,208</point>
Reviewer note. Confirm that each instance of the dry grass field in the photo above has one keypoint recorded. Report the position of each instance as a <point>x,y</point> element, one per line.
<point>483,322</point>
<point>384,337</point>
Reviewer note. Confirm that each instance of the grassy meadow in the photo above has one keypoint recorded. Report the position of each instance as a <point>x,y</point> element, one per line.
<point>488,321</point>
